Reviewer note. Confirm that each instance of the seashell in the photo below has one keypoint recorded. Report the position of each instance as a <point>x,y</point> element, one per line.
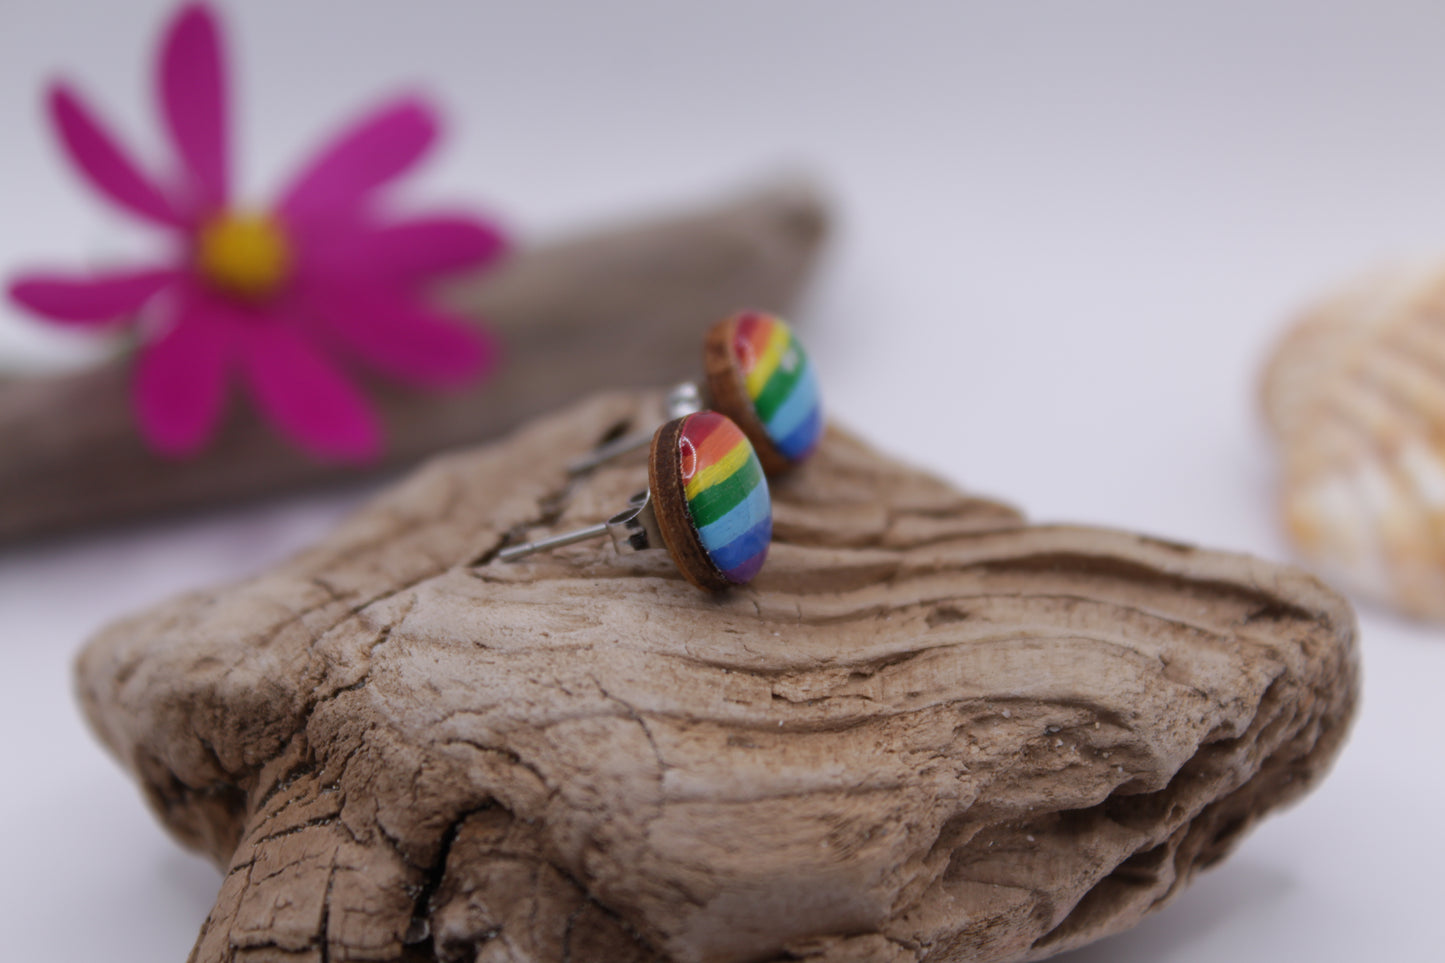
<point>1355,394</point>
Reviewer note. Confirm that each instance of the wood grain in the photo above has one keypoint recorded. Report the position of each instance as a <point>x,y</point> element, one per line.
<point>620,307</point>
<point>928,731</point>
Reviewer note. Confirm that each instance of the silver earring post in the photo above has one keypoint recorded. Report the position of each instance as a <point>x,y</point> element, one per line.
<point>634,529</point>
<point>685,399</point>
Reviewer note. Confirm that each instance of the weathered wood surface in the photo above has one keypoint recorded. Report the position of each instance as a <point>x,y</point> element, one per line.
<point>927,732</point>
<point>621,307</point>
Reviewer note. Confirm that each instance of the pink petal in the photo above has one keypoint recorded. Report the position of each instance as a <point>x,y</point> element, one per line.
<point>100,158</point>
<point>192,82</point>
<point>88,301</point>
<point>419,249</point>
<point>400,337</point>
<point>180,386</point>
<point>307,398</point>
<point>368,154</point>
<point>350,250</point>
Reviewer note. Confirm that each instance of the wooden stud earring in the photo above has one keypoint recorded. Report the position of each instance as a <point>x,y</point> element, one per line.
<point>757,373</point>
<point>707,503</point>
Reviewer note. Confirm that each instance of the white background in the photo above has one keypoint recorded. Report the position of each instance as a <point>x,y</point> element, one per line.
<point>1068,233</point>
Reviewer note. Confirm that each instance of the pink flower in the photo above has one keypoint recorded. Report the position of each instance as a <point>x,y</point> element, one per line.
<point>270,297</point>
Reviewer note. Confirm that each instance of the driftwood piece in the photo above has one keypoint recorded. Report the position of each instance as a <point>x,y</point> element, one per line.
<point>927,732</point>
<point>623,307</point>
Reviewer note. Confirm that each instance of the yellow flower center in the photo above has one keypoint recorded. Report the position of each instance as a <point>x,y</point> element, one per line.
<point>243,254</point>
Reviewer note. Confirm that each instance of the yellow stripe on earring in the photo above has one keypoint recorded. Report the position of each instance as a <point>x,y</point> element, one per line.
<point>720,470</point>
<point>768,360</point>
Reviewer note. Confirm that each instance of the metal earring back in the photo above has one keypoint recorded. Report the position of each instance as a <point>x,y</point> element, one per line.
<point>757,373</point>
<point>707,504</point>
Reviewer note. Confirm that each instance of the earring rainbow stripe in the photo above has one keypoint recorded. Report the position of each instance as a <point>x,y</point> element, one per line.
<point>759,373</point>
<point>726,494</point>
<point>706,502</point>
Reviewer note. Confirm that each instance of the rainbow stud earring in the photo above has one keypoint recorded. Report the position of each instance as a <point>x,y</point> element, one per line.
<point>707,503</point>
<point>757,373</point>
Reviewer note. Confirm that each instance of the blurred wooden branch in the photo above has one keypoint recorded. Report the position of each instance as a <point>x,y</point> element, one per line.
<point>619,307</point>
